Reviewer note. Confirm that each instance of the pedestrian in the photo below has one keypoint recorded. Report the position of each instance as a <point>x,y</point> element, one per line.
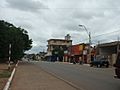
<point>74,61</point>
<point>80,61</point>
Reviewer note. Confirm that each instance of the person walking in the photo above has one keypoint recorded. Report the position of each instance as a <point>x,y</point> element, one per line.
<point>80,61</point>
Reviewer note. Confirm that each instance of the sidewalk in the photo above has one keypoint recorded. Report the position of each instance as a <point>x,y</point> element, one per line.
<point>30,77</point>
<point>3,67</point>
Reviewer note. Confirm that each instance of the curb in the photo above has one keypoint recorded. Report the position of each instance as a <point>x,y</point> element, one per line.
<point>11,77</point>
<point>86,64</point>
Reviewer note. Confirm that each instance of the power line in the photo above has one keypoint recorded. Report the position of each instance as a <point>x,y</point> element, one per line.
<point>106,33</point>
<point>76,8</point>
<point>102,35</point>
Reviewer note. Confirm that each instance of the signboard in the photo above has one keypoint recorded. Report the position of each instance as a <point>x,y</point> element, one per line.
<point>86,47</point>
<point>65,52</point>
<point>81,47</point>
<point>84,52</point>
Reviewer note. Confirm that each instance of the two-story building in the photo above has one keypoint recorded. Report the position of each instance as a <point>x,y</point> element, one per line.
<point>57,45</point>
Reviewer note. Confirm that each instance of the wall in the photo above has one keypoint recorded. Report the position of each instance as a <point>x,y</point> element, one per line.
<point>110,52</point>
<point>76,49</point>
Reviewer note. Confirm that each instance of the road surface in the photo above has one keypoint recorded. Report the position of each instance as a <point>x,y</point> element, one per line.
<point>85,77</point>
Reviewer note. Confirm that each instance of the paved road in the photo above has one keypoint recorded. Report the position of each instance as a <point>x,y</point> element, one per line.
<point>29,77</point>
<point>85,77</point>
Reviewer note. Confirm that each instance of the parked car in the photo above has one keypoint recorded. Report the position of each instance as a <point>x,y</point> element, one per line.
<point>117,66</point>
<point>100,62</point>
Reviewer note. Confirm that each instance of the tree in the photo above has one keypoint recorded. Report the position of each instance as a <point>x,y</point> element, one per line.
<point>58,52</point>
<point>17,37</point>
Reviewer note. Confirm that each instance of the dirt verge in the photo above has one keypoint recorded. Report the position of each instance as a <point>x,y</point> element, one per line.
<point>4,74</point>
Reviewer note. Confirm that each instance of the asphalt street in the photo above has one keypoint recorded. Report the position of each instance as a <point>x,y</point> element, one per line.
<point>85,77</point>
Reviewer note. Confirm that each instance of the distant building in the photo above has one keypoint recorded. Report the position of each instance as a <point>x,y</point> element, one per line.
<point>40,56</point>
<point>108,50</point>
<point>61,44</point>
<point>58,43</point>
<point>67,37</point>
<point>79,51</point>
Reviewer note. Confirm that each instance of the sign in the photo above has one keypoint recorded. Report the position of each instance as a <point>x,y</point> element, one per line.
<point>65,52</point>
<point>86,47</point>
<point>84,52</point>
<point>81,47</point>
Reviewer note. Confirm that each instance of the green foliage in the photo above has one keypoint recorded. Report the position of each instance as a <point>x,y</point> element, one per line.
<point>17,37</point>
<point>5,74</point>
<point>58,51</point>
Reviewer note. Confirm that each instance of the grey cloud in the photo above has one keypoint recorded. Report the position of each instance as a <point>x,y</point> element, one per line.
<point>88,13</point>
<point>39,44</point>
<point>40,40</point>
<point>37,49</point>
<point>83,16</point>
<point>26,5</point>
<point>61,33</point>
<point>63,18</point>
<point>25,25</point>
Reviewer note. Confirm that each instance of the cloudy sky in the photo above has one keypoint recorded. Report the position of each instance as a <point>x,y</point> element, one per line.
<point>48,19</point>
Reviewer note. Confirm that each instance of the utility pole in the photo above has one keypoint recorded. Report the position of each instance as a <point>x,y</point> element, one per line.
<point>89,48</point>
<point>9,66</point>
<point>118,47</point>
<point>98,49</point>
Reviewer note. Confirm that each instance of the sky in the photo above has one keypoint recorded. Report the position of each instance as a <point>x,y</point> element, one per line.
<point>53,19</point>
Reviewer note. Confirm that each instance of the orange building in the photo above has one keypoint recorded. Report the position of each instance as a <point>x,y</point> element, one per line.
<point>79,51</point>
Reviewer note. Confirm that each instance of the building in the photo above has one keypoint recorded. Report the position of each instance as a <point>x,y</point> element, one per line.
<point>108,50</point>
<point>79,52</point>
<point>40,56</point>
<point>57,45</point>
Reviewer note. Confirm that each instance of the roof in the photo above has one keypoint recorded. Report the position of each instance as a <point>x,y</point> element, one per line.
<point>80,44</point>
<point>109,44</point>
<point>59,40</point>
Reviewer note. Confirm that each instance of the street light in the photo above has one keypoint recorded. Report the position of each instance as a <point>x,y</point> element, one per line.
<point>89,35</point>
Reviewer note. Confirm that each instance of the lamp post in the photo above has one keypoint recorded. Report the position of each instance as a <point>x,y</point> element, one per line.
<point>89,36</point>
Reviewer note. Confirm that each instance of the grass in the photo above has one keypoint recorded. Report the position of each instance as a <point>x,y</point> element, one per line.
<point>5,74</point>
